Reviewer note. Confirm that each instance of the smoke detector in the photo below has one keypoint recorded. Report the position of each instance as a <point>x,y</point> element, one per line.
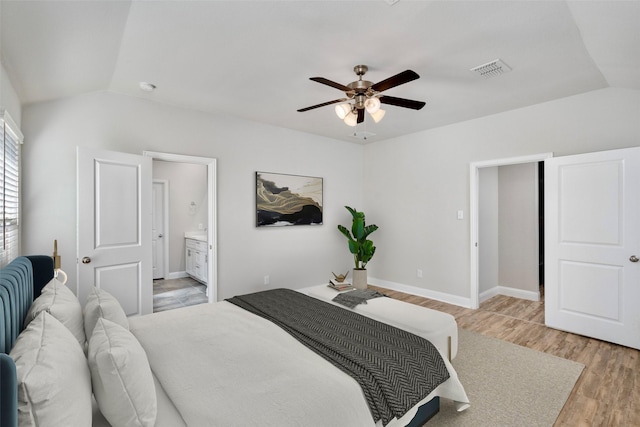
<point>491,69</point>
<point>147,87</point>
<point>362,134</point>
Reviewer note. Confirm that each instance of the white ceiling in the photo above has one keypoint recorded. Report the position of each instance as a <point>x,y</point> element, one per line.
<point>253,59</point>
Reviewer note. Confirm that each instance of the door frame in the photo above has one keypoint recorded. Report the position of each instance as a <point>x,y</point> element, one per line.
<point>474,189</point>
<point>165,225</point>
<point>212,234</point>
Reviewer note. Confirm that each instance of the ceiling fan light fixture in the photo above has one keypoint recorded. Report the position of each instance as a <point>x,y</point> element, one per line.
<point>351,119</point>
<point>342,110</point>
<point>362,96</point>
<point>372,104</point>
<point>378,115</point>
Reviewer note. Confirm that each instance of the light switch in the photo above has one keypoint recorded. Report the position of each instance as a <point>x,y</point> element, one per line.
<point>460,214</point>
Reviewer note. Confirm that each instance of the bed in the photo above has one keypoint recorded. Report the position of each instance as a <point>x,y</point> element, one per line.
<point>207,365</point>
<point>438,327</point>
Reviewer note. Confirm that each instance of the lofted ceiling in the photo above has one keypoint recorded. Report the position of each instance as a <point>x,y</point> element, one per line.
<point>253,59</point>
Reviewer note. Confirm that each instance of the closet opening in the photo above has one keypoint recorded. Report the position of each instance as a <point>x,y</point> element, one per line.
<point>507,228</point>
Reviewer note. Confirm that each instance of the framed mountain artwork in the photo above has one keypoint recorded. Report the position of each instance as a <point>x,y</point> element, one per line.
<point>283,200</point>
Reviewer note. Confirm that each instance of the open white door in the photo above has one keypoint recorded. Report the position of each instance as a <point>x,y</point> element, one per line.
<point>114,227</point>
<point>592,280</point>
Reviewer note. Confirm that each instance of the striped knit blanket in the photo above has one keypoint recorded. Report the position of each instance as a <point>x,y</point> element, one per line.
<point>395,368</point>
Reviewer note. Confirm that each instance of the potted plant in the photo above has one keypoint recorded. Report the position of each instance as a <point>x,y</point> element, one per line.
<point>361,247</point>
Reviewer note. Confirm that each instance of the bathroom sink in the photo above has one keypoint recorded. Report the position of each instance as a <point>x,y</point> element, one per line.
<point>196,236</point>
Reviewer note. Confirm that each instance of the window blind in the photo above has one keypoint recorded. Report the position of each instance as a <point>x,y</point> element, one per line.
<point>10,140</point>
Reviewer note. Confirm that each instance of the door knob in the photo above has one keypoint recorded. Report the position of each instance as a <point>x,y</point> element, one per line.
<point>86,260</point>
<point>634,258</point>
<point>160,235</point>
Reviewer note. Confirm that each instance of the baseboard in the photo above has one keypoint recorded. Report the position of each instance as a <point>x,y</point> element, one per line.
<point>510,292</point>
<point>421,292</point>
<point>519,293</point>
<point>177,275</point>
<point>483,296</point>
<point>448,298</point>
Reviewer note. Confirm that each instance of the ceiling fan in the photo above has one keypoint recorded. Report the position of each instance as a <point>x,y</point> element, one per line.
<point>366,96</point>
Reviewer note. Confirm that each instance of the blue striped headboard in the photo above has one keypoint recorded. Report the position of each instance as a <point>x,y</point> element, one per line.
<point>16,293</point>
<point>23,278</point>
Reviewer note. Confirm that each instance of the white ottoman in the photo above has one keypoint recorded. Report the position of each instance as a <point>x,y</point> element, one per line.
<point>438,327</point>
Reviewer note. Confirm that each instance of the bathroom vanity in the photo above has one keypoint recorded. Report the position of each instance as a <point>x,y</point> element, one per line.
<point>196,256</point>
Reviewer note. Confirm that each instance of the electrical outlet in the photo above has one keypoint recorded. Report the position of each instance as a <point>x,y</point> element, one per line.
<point>419,274</point>
<point>267,280</point>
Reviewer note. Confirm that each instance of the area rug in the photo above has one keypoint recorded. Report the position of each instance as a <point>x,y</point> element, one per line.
<point>508,385</point>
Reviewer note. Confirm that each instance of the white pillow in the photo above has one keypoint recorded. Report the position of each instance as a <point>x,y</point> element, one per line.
<point>54,383</point>
<point>61,303</point>
<point>101,303</point>
<point>122,379</point>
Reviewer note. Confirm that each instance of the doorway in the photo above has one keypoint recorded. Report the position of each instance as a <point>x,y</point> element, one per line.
<point>159,227</point>
<point>541,227</point>
<point>202,212</point>
<point>475,203</point>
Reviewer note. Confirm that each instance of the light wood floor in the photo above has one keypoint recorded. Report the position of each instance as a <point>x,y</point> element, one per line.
<point>608,391</point>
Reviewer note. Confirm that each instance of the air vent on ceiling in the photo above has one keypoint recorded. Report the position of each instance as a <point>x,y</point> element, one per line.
<point>492,69</point>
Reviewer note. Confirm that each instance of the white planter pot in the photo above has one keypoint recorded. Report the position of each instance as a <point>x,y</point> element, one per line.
<point>359,278</point>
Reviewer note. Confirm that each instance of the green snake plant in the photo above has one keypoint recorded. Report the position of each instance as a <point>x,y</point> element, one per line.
<point>361,248</point>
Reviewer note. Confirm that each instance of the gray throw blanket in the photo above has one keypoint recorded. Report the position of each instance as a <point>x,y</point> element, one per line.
<point>351,299</point>
<point>395,368</point>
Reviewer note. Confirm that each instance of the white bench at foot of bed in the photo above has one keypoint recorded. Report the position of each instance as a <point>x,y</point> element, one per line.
<point>438,327</point>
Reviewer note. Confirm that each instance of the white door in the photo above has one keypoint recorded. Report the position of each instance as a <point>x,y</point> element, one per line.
<point>592,280</point>
<point>158,231</point>
<point>114,227</point>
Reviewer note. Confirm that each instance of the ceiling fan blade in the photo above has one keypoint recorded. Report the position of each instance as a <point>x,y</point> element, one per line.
<point>360,115</point>
<point>330,83</point>
<point>335,101</point>
<point>402,102</point>
<point>397,80</point>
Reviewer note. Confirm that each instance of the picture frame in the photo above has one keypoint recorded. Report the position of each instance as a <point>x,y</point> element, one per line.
<point>285,200</point>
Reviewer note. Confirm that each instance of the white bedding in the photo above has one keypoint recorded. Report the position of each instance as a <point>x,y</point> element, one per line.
<point>223,366</point>
<point>168,415</point>
<point>432,325</point>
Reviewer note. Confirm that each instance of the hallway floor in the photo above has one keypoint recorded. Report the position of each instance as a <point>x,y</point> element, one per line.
<point>176,293</point>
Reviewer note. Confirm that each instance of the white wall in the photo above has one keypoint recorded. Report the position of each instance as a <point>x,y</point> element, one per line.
<point>518,227</point>
<point>294,257</point>
<point>414,185</point>
<point>187,184</point>
<point>9,99</point>
<point>488,226</point>
<point>508,231</point>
